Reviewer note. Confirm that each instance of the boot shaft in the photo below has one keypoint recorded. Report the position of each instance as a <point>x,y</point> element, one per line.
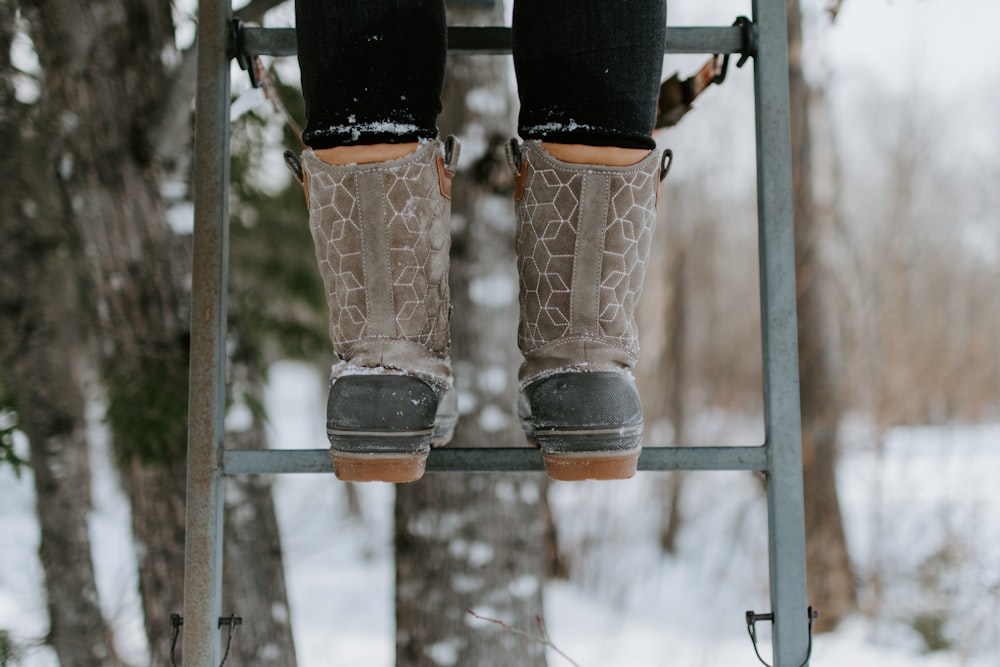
<point>583,239</point>
<point>382,237</point>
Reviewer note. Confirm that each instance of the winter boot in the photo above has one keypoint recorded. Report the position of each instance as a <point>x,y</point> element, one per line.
<point>382,236</point>
<point>583,239</point>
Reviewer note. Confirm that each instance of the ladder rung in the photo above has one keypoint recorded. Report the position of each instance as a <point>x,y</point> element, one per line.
<point>497,40</point>
<point>513,459</point>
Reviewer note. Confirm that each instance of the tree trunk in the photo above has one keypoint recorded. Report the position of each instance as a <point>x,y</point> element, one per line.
<point>670,487</point>
<point>831,580</point>
<point>476,542</point>
<point>105,82</point>
<point>41,354</point>
<point>253,565</point>
<point>104,73</point>
<point>41,366</point>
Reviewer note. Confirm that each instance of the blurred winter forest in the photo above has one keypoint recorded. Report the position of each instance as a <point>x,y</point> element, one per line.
<point>901,316</point>
<point>903,170</point>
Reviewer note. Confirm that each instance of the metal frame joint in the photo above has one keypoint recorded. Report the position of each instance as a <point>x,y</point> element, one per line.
<point>748,48</point>
<point>249,63</point>
<point>753,618</point>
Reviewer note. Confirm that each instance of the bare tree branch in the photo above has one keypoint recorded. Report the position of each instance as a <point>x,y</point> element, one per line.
<point>833,9</point>
<point>543,638</point>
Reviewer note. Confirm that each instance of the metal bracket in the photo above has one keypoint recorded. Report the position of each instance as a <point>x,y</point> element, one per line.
<point>177,621</point>
<point>677,96</point>
<point>752,619</point>
<point>232,621</point>
<point>250,63</point>
<point>749,34</point>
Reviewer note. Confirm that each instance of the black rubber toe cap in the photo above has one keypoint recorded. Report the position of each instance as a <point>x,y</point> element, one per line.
<point>584,401</point>
<point>381,403</point>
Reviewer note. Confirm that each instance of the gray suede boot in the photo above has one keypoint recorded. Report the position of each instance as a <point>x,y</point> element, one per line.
<point>382,236</point>
<point>583,240</point>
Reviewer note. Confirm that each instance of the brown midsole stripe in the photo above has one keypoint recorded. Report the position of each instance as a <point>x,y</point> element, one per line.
<point>381,434</point>
<point>380,457</point>
<point>618,430</point>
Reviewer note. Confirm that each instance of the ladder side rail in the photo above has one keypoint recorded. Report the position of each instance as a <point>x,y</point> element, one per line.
<point>207,384</point>
<point>779,330</point>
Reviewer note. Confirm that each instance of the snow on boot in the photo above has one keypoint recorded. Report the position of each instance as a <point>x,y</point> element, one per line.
<point>382,236</point>
<point>583,240</point>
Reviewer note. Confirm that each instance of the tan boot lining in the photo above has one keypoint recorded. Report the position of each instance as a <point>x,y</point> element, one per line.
<point>608,156</point>
<point>342,155</point>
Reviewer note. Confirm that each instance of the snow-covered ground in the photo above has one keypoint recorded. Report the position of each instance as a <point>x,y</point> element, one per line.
<point>922,514</point>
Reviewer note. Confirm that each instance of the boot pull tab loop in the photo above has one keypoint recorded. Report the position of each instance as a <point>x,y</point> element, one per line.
<point>515,160</point>
<point>666,160</point>
<point>446,164</point>
<point>295,166</point>
<point>513,151</point>
<point>452,149</point>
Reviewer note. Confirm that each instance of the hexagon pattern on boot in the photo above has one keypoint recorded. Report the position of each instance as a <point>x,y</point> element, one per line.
<point>382,236</point>
<point>584,235</point>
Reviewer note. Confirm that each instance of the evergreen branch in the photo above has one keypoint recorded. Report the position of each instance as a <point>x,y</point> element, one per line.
<point>7,452</point>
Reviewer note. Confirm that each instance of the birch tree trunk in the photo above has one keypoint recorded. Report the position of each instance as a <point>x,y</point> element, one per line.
<point>104,85</point>
<point>253,586</point>
<point>476,542</point>
<point>41,355</point>
<point>103,77</point>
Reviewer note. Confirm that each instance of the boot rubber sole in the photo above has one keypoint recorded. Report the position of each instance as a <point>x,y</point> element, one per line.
<point>588,425</point>
<point>602,454</point>
<point>393,468</point>
<point>379,456</point>
<point>579,466</point>
<point>381,427</point>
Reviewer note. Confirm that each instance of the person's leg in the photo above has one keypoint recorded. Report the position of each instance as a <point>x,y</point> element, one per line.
<point>588,71</point>
<point>377,182</point>
<point>372,70</point>
<point>588,77</point>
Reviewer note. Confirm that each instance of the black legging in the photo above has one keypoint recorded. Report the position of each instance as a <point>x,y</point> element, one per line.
<point>588,71</point>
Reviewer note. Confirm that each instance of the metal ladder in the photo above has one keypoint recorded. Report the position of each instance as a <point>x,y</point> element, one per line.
<point>764,38</point>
